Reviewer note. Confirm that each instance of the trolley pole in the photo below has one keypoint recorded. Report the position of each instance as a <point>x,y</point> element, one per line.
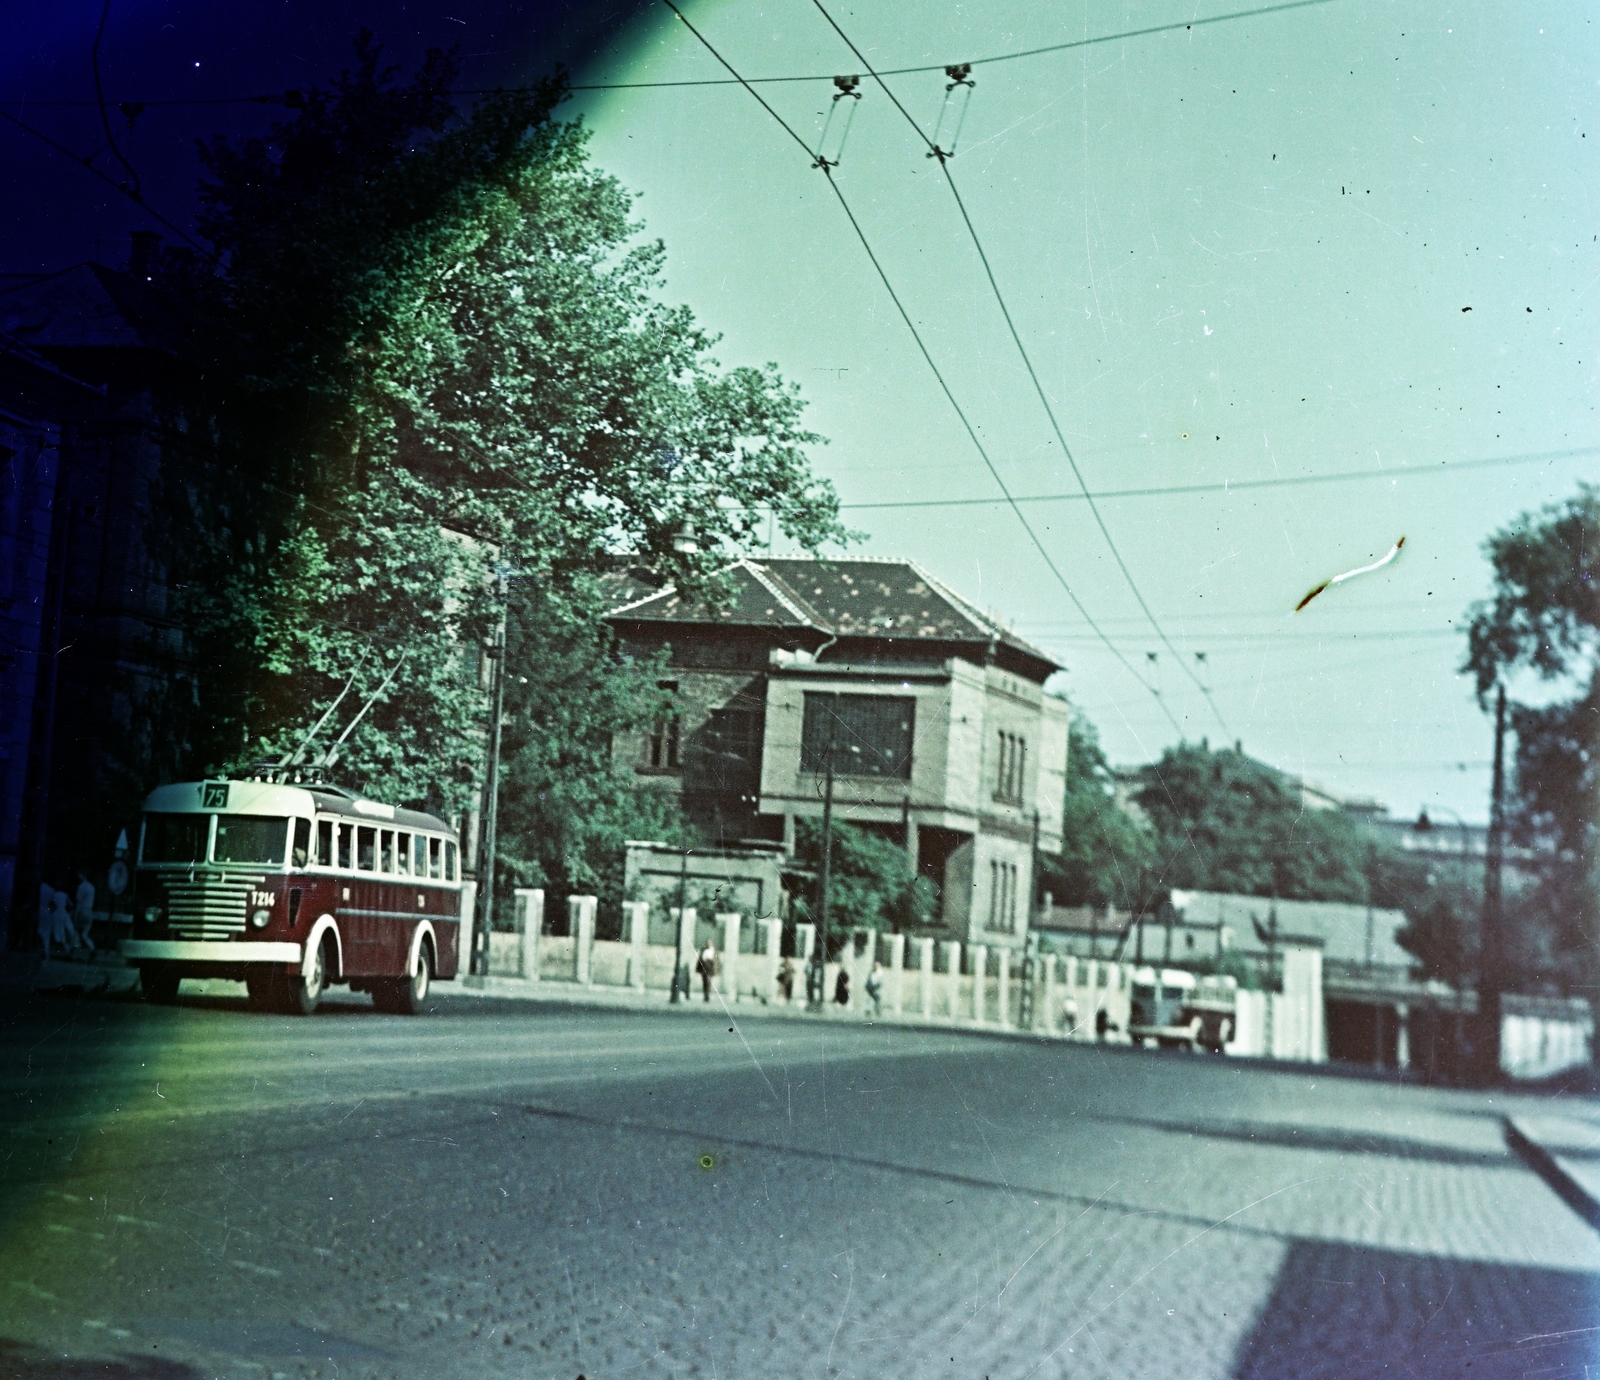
<point>491,794</point>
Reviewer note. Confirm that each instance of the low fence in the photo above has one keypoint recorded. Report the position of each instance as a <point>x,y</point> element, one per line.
<point>931,979</point>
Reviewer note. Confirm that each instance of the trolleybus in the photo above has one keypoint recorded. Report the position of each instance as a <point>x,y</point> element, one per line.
<point>293,888</point>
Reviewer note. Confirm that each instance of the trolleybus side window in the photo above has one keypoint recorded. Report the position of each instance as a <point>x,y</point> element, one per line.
<point>449,860</point>
<point>435,859</point>
<point>366,848</point>
<point>251,838</point>
<point>345,832</point>
<point>402,854</point>
<point>419,859</point>
<point>386,852</point>
<point>302,842</point>
<point>324,843</point>
<point>175,838</point>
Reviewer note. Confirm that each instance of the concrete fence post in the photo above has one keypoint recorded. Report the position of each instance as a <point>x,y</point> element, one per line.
<point>636,921</point>
<point>771,932</point>
<point>528,907</point>
<point>728,933</point>
<point>897,967</point>
<point>923,949</point>
<point>980,980</point>
<point>1047,1003</point>
<point>952,950</point>
<point>580,924</point>
<point>1003,1008</point>
<point>683,954</point>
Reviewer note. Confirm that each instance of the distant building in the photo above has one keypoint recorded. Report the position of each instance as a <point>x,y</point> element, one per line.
<point>935,716</point>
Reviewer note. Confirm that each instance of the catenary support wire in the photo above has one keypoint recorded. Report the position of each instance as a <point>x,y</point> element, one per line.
<point>943,158</point>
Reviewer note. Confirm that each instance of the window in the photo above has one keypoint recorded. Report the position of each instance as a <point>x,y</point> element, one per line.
<point>345,831</point>
<point>1010,766</point>
<point>662,745</point>
<point>419,860</point>
<point>386,851</point>
<point>302,842</point>
<point>324,843</point>
<point>1003,897</point>
<point>450,860</point>
<point>435,865</point>
<point>366,849</point>
<point>176,838</point>
<point>250,838</point>
<point>402,854</point>
<point>870,735</point>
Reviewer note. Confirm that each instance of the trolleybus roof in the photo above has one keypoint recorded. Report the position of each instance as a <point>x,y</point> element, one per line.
<point>270,798</point>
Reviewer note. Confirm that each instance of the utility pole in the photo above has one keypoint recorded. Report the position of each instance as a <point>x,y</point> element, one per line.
<point>496,652</point>
<point>1491,954</point>
<point>680,974</point>
<point>816,997</point>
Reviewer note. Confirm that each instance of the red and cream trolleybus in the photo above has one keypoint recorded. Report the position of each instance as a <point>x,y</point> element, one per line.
<point>293,888</point>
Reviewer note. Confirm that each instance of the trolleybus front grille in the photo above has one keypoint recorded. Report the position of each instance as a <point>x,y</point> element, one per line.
<point>212,907</point>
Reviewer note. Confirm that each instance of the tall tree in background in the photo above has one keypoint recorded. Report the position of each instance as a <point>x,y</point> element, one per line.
<point>1224,822</point>
<point>437,340</point>
<point>1108,856</point>
<point>1544,616</point>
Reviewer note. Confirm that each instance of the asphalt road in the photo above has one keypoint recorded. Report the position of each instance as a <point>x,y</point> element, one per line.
<point>511,1190</point>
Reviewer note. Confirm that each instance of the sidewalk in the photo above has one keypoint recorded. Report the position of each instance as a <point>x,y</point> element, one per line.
<point>1563,1148</point>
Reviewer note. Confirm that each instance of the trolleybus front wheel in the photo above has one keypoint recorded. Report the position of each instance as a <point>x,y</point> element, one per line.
<point>405,996</point>
<point>301,993</point>
<point>159,983</point>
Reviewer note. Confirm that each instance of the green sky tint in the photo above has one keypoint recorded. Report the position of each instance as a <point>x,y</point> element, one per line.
<point>1236,252</point>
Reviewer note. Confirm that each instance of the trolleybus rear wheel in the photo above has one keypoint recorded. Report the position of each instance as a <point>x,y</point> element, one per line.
<point>159,984</point>
<point>405,996</point>
<point>302,993</point>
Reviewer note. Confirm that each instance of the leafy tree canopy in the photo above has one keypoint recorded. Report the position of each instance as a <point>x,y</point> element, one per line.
<point>870,883</point>
<point>1108,856</point>
<point>434,344</point>
<point>1224,822</point>
<point>1544,616</point>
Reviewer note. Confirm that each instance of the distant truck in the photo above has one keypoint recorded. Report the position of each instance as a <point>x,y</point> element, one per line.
<point>1173,1009</point>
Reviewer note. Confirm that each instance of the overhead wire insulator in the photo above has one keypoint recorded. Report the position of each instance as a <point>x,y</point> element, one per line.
<point>847,86</point>
<point>953,110</point>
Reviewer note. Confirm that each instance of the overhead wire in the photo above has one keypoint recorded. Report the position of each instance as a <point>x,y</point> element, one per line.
<point>944,387</point>
<point>1442,470</point>
<point>295,98</point>
<point>942,157</point>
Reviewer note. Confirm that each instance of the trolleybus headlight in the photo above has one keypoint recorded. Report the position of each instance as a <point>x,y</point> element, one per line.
<point>152,914</point>
<point>259,918</point>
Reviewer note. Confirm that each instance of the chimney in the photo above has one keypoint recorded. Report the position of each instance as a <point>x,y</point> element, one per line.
<point>144,245</point>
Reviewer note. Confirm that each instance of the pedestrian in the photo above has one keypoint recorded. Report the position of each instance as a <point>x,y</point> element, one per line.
<point>875,988</point>
<point>83,909</point>
<point>47,895</point>
<point>841,988</point>
<point>61,931</point>
<point>786,979</point>
<point>707,967</point>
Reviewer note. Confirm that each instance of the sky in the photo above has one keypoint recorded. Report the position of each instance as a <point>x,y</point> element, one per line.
<point>1306,280</point>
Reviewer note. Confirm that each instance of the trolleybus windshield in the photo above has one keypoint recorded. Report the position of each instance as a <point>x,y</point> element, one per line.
<point>250,838</point>
<point>176,838</point>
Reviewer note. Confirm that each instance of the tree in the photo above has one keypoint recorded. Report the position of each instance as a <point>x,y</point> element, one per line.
<point>434,347</point>
<point>1108,857</point>
<point>1544,617</point>
<point>1224,822</point>
<point>870,883</point>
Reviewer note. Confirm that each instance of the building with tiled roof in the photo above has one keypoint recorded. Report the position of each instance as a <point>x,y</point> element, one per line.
<point>932,713</point>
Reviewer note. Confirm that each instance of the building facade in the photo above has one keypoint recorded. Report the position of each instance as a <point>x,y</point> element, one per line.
<point>932,715</point>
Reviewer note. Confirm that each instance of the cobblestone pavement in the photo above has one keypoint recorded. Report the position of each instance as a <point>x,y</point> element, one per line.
<point>523,1191</point>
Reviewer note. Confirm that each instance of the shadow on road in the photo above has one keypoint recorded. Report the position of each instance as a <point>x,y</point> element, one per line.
<point>1350,1312</point>
<point>1326,1138</point>
<point>19,1362</point>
